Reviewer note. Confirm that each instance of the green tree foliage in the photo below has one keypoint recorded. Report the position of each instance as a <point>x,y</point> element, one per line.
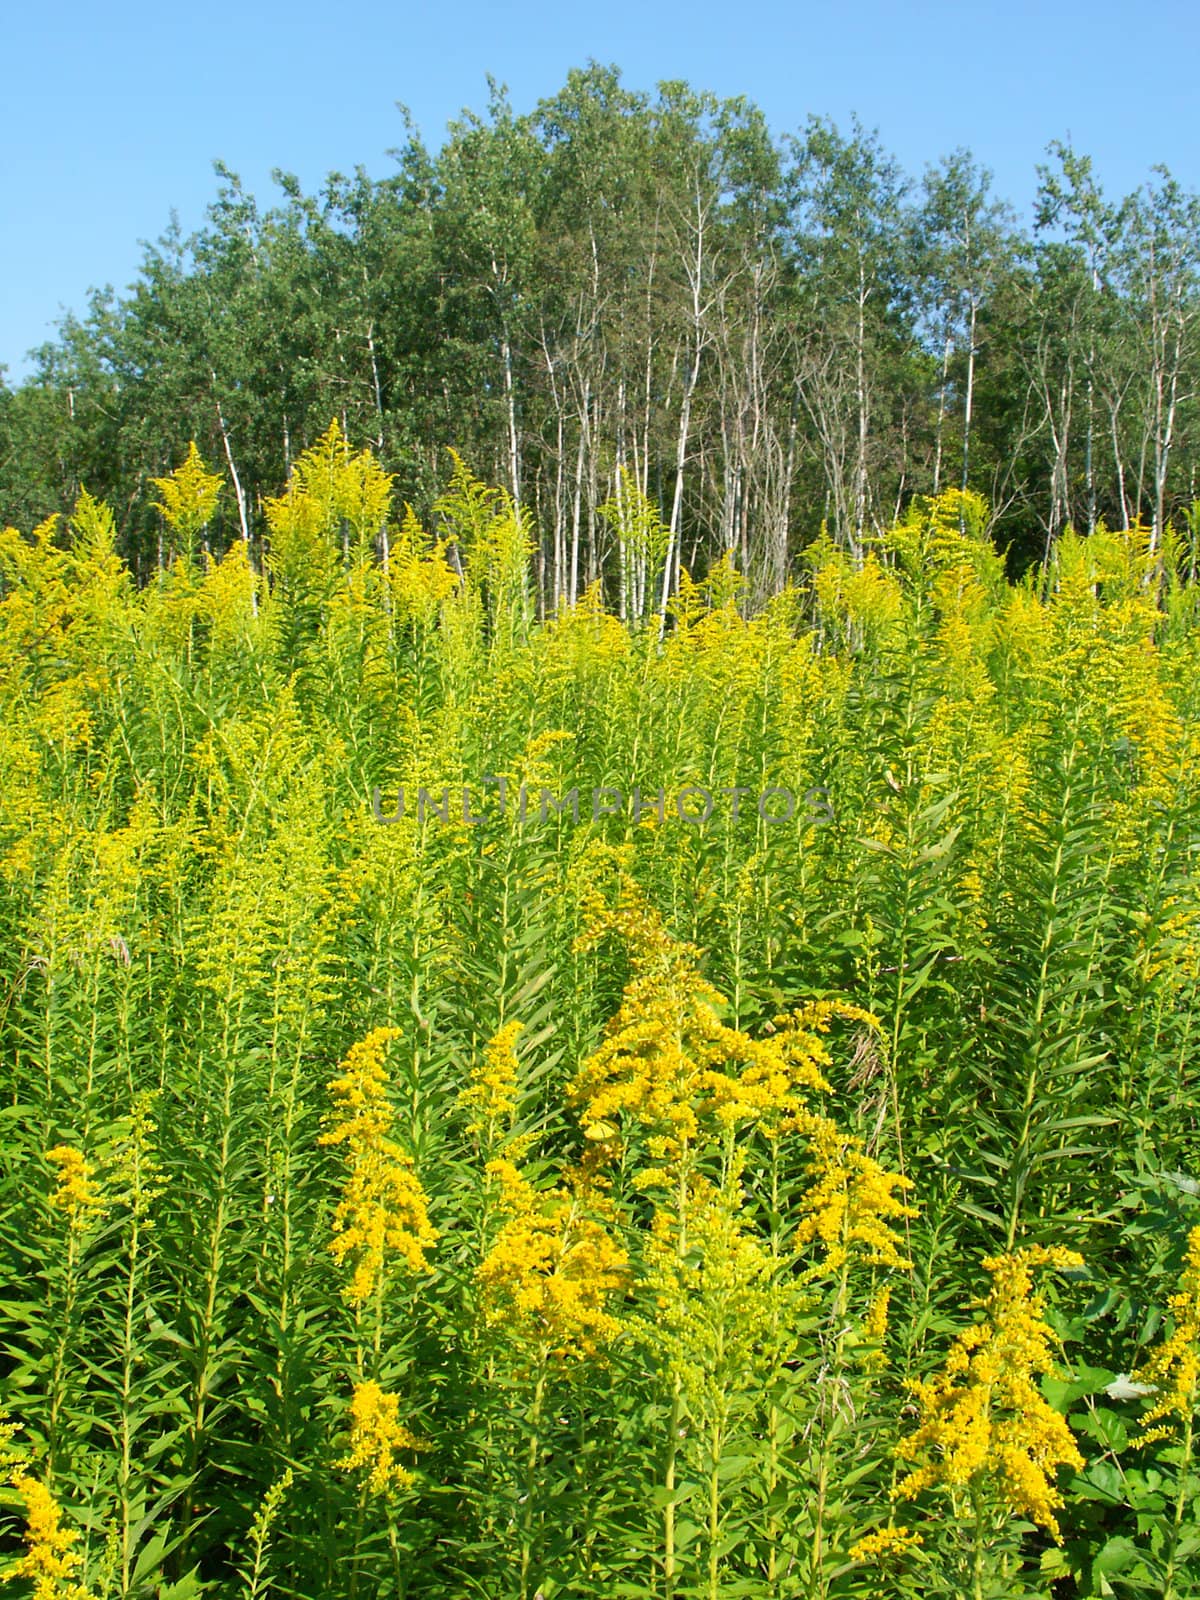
<point>766,335</point>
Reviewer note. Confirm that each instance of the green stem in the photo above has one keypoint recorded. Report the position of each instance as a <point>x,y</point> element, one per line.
<point>397,1567</point>
<point>669,1487</point>
<point>676,1403</point>
<point>359,1524</point>
<point>772,1407</point>
<point>531,1465</point>
<point>128,1356</point>
<point>1185,1473</point>
<point>58,1377</point>
<point>828,1430</point>
<point>714,1510</point>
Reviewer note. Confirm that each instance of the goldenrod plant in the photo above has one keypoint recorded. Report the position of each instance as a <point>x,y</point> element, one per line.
<point>986,1432</point>
<point>443,1155</point>
<point>189,498</point>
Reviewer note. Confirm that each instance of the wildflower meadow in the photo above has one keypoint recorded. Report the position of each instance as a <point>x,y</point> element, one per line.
<point>555,1200</point>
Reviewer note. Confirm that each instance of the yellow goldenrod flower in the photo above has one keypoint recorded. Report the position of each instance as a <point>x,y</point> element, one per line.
<point>493,1086</point>
<point>189,495</point>
<point>873,1331</point>
<point>11,1453</point>
<point>376,1434</point>
<point>551,1271</point>
<point>1174,1367</point>
<point>876,1320</point>
<point>516,1192</point>
<point>669,1064</point>
<point>984,1418</point>
<point>50,1561</point>
<point>717,1303</point>
<point>884,1543</point>
<point>75,1192</point>
<point>851,1201</point>
<point>383,1206</point>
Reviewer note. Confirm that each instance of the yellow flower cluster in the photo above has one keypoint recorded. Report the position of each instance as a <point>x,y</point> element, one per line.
<point>135,1176</point>
<point>383,1207</point>
<point>876,1320</point>
<point>716,1304</point>
<point>493,1087</point>
<point>549,1276</point>
<point>189,495</point>
<point>667,1061</point>
<point>852,1200</point>
<point>658,1064</point>
<point>621,912</point>
<point>866,596</point>
<point>229,598</point>
<point>420,577</point>
<point>1174,1367</point>
<point>585,639</point>
<point>376,1434</point>
<point>11,1453</point>
<point>333,487</point>
<point>516,1192</point>
<point>534,765</point>
<point>885,1543</point>
<point>552,1267</point>
<point>984,1418</point>
<point>75,1192</point>
<point>50,1562</point>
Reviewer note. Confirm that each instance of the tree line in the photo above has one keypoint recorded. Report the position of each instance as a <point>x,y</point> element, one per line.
<point>631,306</point>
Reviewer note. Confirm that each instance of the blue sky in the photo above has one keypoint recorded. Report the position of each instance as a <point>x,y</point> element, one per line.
<point>113,115</point>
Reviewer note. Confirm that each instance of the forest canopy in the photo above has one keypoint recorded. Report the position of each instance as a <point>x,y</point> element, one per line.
<point>763,337</point>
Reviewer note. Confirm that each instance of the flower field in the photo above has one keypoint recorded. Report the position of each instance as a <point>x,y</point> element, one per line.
<point>407,1197</point>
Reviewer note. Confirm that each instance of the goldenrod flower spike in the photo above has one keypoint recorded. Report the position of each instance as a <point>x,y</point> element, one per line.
<point>376,1434</point>
<point>875,1323</point>
<point>984,1419</point>
<point>12,1454</point>
<point>75,1192</point>
<point>669,1064</point>
<point>189,495</point>
<point>50,1562</point>
<point>493,1087</point>
<point>852,1200</point>
<point>383,1206</point>
<point>884,1544</point>
<point>551,1272</point>
<point>1174,1367</point>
